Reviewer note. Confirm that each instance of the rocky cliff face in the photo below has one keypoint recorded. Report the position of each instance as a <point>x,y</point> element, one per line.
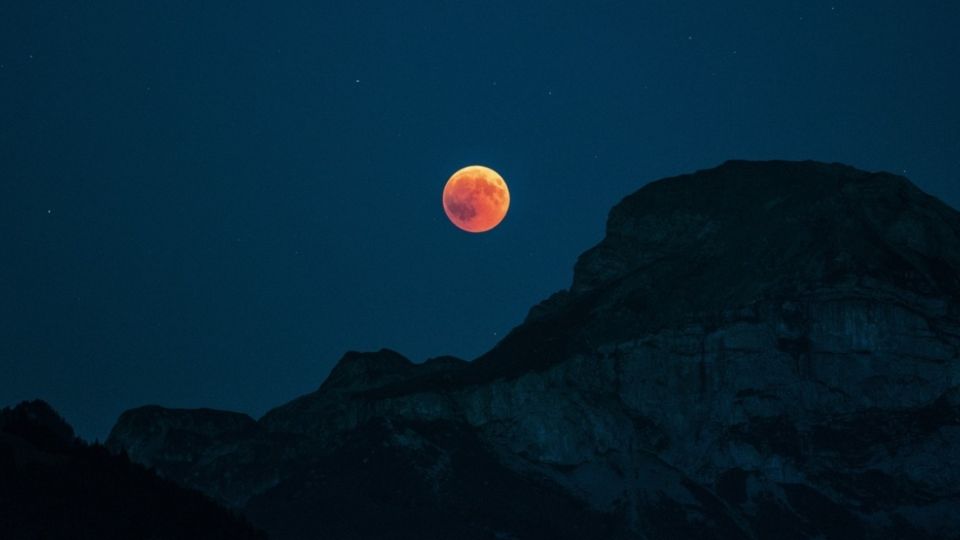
<point>761,350</point>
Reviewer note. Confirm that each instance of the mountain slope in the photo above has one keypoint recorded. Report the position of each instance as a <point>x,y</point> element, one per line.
<point>761,350</point>
<point>53,486</point>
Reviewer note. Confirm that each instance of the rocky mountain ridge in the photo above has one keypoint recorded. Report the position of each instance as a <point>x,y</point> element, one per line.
<point>760,350</point>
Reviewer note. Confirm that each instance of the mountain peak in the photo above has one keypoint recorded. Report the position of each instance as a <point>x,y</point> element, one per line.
<point>361,370</point>
<point>37,421</point>
<point>730,234</point>
<point>699,245</point>
<point>56,486</point>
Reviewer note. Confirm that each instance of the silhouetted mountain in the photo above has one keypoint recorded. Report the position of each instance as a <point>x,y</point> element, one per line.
<point>54,486</point>
<point>760,350</point>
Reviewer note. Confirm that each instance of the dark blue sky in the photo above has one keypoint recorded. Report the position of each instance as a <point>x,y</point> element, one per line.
<point>206,205</point>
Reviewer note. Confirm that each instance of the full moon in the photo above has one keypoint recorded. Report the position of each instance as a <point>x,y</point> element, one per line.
<point>476,198</point>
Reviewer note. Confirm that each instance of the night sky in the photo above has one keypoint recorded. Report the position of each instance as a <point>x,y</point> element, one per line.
<point>206,205</point>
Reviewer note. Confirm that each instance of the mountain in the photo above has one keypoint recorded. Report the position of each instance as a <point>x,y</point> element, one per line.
<point>759,350</point>
<point>54,486</point>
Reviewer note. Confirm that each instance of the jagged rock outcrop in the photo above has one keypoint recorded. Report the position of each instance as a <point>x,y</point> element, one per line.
<point>761,350</point>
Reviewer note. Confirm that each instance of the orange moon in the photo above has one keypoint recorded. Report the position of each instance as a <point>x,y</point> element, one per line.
<point>476,198</point>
